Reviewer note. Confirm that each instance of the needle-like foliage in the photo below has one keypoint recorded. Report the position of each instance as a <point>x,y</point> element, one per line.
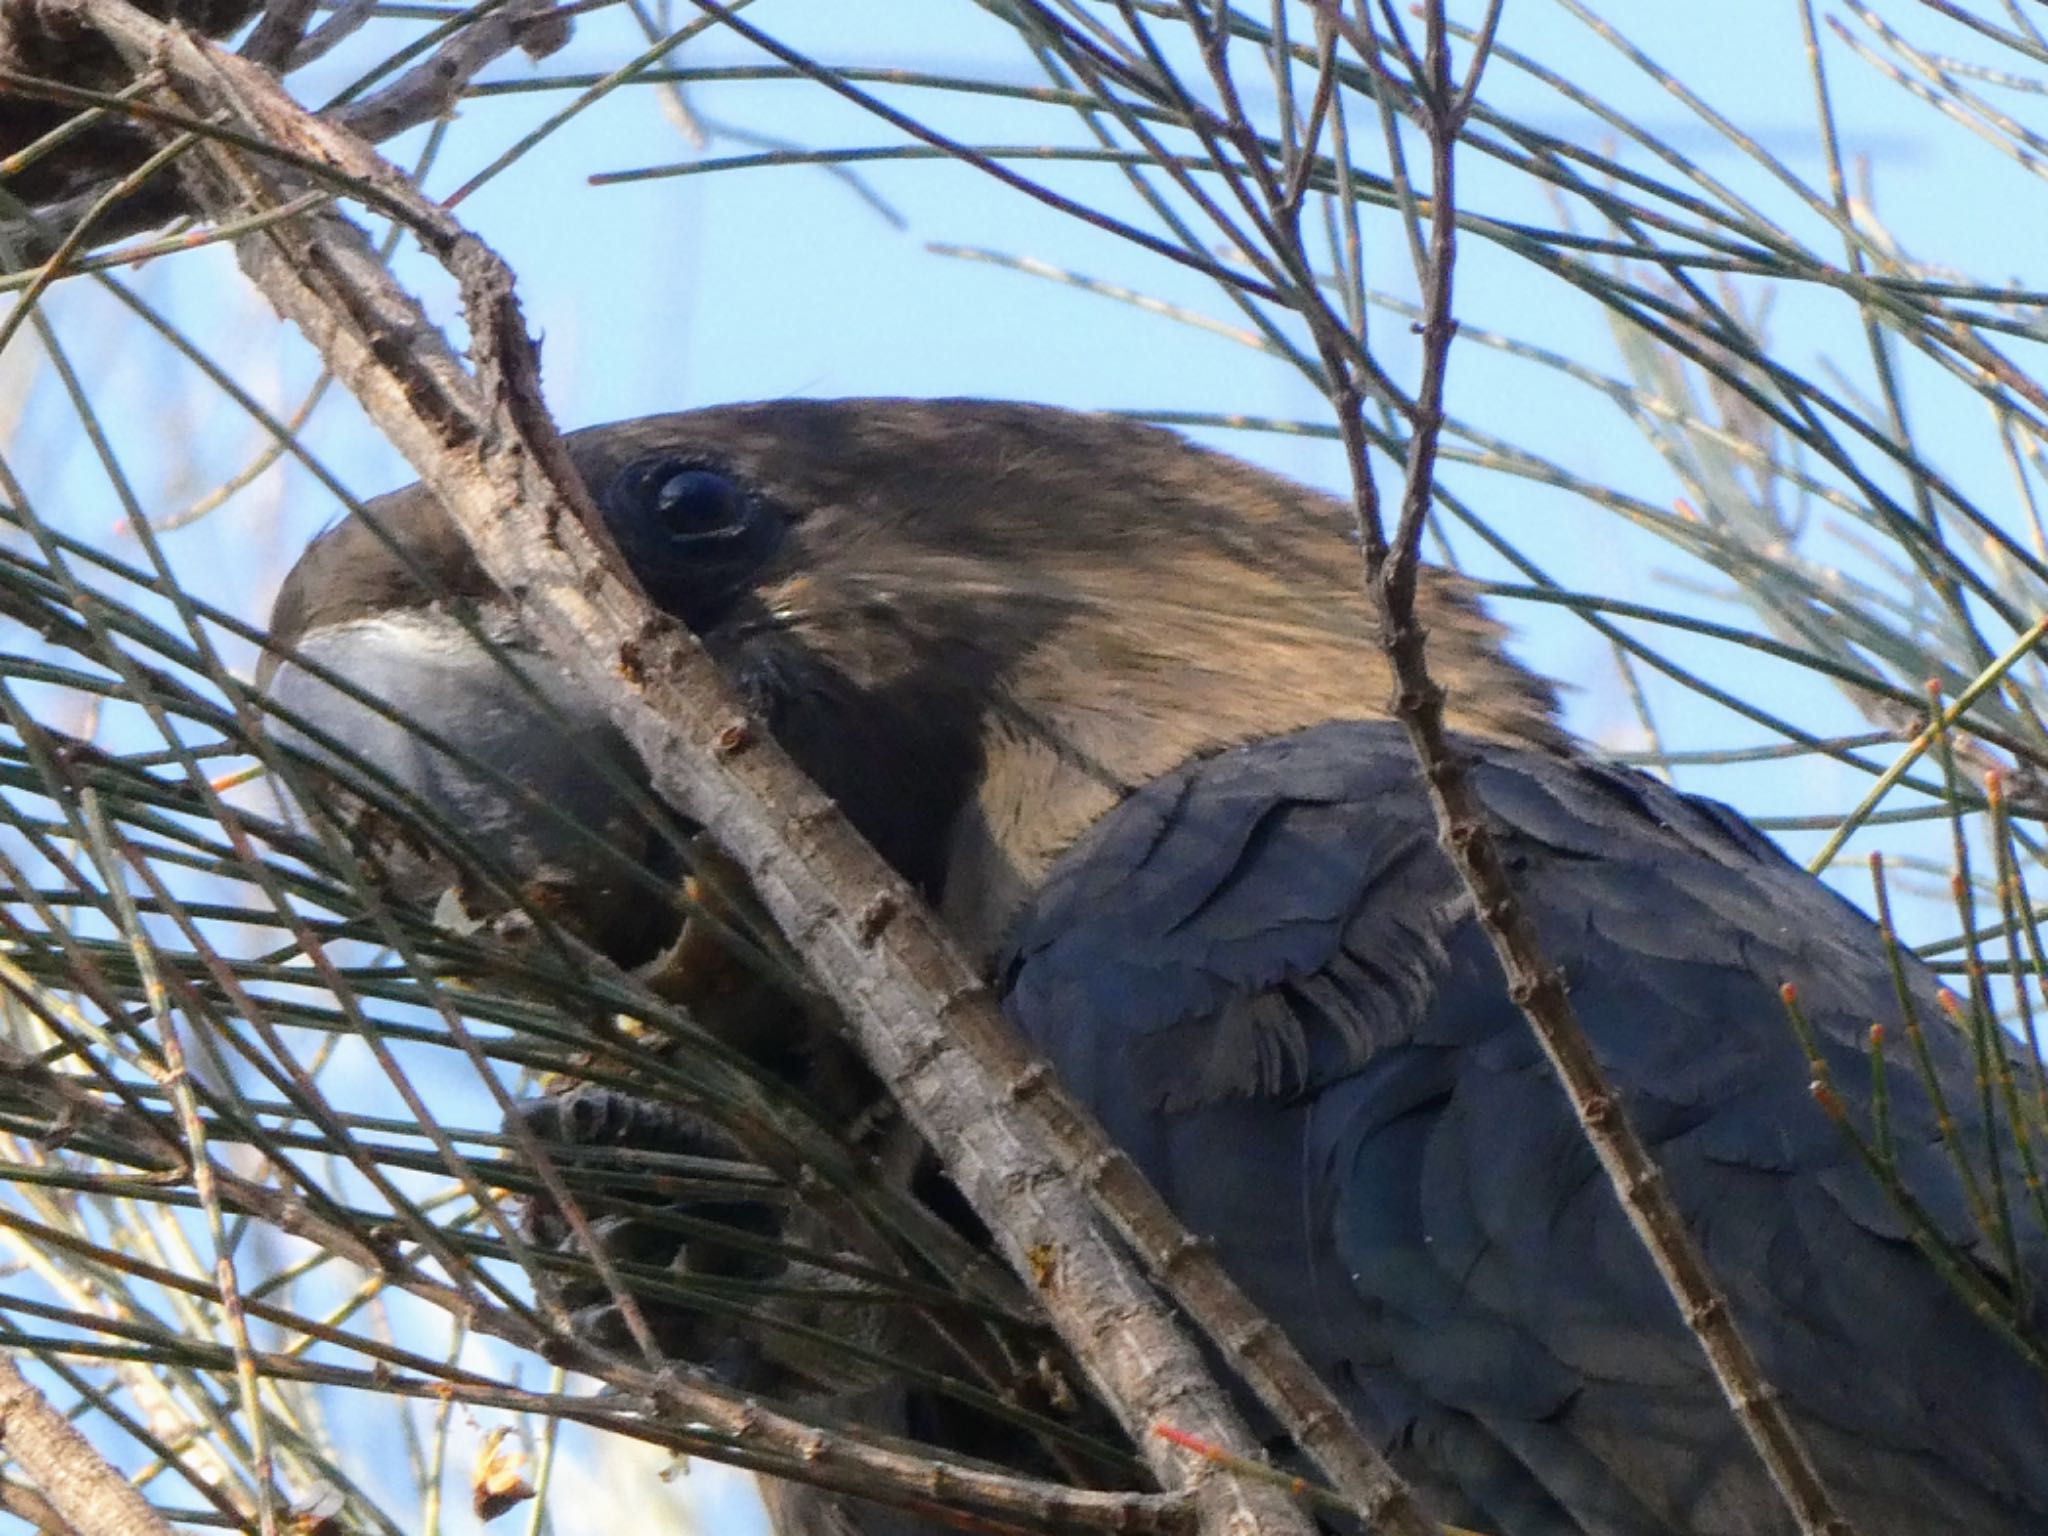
<point>268,1173</point>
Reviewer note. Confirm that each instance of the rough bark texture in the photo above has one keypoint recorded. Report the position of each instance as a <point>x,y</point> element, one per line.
<point>927,1024</point>
<point>92,1497</point>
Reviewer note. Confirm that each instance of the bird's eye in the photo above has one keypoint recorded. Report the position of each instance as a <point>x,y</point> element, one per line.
<point>694,534</point>
<point>701,504</point>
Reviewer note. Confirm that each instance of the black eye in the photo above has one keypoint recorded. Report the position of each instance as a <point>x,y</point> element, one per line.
<point>694,534</point>
<point>701,504</point>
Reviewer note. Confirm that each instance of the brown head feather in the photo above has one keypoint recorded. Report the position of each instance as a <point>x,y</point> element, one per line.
<point>990,621</point>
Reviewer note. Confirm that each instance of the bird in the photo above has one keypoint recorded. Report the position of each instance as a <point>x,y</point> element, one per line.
<point>93,152</point>
<point>1113,702</point>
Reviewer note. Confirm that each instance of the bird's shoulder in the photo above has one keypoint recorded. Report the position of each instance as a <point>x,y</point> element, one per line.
<point>1267,918</point>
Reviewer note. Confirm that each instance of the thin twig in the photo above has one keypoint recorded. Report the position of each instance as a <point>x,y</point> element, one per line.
<point>1534,982</point>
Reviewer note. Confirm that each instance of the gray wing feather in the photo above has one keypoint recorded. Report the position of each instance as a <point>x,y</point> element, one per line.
<point>1266,980</point>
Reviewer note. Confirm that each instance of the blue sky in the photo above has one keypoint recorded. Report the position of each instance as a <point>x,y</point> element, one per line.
<point>664,294</point>
<point>668,293</point>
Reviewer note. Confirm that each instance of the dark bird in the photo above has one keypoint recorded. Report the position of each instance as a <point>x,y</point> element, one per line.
<point>1111,701</point>
<point>65,53</point>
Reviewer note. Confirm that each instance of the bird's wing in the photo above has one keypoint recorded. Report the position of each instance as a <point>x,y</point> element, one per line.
<point>1266,979</point>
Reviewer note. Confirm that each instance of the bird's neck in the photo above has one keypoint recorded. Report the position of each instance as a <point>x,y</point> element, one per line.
<point>1054,768</point>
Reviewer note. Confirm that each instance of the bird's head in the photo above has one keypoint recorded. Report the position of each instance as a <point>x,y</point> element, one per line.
<point>975,625</point>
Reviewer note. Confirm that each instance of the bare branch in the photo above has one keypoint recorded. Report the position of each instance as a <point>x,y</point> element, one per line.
<point>1534,983</point>
<point>432,87</point>
<point>92,1498</point>
<point>486,447</point>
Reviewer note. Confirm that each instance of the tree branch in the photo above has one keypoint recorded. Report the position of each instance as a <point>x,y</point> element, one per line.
<point>90,1495</point>
<point>483,443</point>
<point>1535,984</point>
